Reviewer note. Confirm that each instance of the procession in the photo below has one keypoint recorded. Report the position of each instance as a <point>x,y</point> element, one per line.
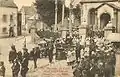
<point>93,58</point>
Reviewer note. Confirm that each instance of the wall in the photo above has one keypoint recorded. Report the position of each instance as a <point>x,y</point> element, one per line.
<point>118,22</point>
<point>8,12</point>
<point>103,9</point>
<point>86,7</point>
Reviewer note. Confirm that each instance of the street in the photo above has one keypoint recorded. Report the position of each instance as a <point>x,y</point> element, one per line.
<point>44,69</point>
<point>43,63</point>
<point>18,42</point>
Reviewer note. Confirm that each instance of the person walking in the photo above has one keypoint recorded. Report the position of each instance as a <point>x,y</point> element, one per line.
<point>2,69</point>
<point>24,63</point>
<point>12,54</point>
<point>33,55</point>
<point>50,52</point>
<point>78,49</point>
<point>15,68</point>
<point>19,56</point>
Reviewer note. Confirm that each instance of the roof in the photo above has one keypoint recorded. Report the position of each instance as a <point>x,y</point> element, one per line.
<point>8,3</point>
<point>97,1</point>
<point>28,10</point>
<point>111,5</point>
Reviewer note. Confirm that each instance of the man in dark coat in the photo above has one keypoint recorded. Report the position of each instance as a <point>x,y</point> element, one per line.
<point>50,52</point>
<point>78,49</point>
<point>34,56</point>
<point>12,54</point>
<point>15,68</point>
<point>19,56</point>
<point>2,69</point>
<point>24,63</point>
<point>38,52</point>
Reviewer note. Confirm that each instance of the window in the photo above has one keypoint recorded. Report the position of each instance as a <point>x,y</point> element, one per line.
<point>4,30</point>
<point>4,18</point>
<point>11,18</point>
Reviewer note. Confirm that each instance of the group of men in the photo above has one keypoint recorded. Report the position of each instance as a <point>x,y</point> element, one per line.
<point>97,59</point>
<point>19,61</point>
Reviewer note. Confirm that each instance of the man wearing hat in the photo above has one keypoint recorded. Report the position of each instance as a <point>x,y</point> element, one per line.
<point>25,61</point>
<point>12,54</point>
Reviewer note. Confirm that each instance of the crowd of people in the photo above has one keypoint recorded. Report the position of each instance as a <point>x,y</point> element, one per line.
<point>92,57</point>
<point>96,59</point>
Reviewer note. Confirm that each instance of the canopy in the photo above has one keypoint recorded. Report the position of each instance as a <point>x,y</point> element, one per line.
<point>114,37</point>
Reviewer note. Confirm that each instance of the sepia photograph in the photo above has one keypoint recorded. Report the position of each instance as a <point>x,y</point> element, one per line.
<point>59,38</point>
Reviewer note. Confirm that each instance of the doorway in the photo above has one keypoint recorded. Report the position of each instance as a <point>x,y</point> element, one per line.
<point>104,20</point>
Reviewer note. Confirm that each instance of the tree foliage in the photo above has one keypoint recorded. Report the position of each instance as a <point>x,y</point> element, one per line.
<point>46,11</point>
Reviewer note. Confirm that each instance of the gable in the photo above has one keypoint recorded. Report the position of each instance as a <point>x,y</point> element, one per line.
<point>97,1</point>
<point>7,3</point>
<point>110,5</point>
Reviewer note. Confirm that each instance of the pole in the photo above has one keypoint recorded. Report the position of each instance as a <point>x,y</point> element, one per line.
<point>70,20</point>
<point>63,12</point>
<point>56,9</point>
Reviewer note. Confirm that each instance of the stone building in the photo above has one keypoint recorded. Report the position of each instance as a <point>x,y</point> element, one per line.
<point>8,15</point>
<point>26,12</point>
<point>98,13</point>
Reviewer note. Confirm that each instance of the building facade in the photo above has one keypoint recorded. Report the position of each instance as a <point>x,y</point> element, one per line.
<point>8,15</point>
<point>26,12</point>
<point>97,13</point>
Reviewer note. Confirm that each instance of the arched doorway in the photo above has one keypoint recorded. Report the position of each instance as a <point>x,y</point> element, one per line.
<point>91,17</point>
<point>104,19</point>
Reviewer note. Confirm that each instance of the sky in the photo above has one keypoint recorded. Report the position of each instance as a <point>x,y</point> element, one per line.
<point>20,3</point>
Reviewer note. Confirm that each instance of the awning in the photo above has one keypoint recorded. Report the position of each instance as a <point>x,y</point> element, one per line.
<point>114,37</point>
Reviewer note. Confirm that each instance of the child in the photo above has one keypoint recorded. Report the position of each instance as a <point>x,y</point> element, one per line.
<point>2,69</point>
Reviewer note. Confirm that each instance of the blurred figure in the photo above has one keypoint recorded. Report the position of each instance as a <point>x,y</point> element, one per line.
<point>12,54</point>
<point>38,52</point>
<point>78,49</point>
<point>24,63</point>
<point>2,69</point>
<point>50,52</point>
<point>11,30</point>
<point>19,56</point>
<point>34,56</point>
<point>15,68</point>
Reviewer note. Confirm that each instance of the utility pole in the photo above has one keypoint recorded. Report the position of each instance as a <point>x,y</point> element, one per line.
<point>63,12</point>
<point>70,20</point>
<point>56,9</point>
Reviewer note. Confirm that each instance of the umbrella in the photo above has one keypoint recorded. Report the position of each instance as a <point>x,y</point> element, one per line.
<point>114,37</point>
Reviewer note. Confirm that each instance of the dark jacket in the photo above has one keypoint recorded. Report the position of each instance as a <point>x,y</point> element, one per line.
<point>12,55</point>
<point>2,71</point>
<point>16,68</point>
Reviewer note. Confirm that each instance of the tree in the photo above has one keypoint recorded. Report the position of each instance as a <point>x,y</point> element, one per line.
<point>46,11</point>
